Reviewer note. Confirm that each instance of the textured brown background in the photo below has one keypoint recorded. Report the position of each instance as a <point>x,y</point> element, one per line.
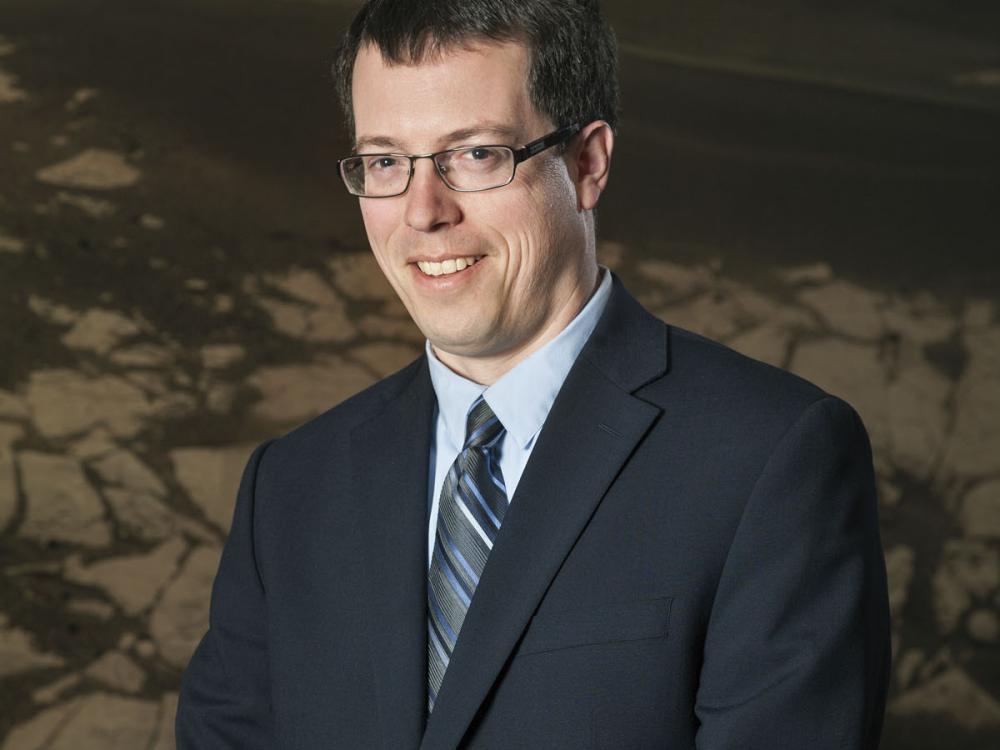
<point>181,275</point>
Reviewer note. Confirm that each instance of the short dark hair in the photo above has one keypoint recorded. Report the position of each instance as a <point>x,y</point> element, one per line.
<point>573,74</point>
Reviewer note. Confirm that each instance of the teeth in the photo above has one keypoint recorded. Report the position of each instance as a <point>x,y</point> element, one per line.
<point>451,265</point>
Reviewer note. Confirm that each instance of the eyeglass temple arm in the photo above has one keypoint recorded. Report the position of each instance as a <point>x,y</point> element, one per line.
<point>536,147</point>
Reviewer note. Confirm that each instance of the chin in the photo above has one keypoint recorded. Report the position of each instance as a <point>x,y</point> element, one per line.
<point>458,346</point>
<point>453,337</point>
<point>451,345</point>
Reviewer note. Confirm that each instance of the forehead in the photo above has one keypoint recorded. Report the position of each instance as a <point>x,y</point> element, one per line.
<point>416,104</point>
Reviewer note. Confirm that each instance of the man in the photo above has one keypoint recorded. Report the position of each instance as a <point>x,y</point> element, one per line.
<point>568,525</point>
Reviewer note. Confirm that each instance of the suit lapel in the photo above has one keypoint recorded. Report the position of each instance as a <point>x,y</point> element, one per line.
<point>390,453</point>
<point>594,426</point>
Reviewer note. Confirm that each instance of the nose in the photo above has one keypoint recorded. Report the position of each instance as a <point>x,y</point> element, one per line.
<point>430,204</point>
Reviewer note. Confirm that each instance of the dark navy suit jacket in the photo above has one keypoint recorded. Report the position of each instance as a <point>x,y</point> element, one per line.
<point>691,560</point>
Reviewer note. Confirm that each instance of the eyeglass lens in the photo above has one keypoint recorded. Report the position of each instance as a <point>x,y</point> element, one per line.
<point>468,169</point>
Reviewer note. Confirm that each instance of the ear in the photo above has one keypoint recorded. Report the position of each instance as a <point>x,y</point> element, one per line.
<point>591,162</point>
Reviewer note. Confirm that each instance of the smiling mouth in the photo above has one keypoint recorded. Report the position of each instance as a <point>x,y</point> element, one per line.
<point>446,267</point>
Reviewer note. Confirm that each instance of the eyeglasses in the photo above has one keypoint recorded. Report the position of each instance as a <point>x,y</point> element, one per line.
<point>467,169</point>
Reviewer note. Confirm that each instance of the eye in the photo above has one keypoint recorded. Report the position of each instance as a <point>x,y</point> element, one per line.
<point>482,154</point>
<point>382,162</point>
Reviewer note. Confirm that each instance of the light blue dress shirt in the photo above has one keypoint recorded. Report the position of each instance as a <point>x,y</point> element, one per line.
<point>521,399</point>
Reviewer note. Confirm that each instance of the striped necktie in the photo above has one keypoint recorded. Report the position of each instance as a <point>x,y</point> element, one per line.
<point>472,506</point>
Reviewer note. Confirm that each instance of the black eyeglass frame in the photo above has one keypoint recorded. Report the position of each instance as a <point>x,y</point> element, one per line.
<point>534,148</point>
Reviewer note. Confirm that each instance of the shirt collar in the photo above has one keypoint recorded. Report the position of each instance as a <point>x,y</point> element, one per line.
<point>455,395</point>
<point>522,398</point>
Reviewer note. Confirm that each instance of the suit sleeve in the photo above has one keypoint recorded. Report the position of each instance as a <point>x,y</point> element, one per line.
<point>224,699</point>
<point>797,649</point>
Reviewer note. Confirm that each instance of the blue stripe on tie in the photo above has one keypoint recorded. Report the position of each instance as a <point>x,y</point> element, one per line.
<point>438,646</point>
<point>432,625</point>
<point>496,480</point>
<point>452,475</point>
<point>479,498</point>
<point>439,549</point>
<point>442,530</point>
<point>493,442</point>
<point>436,606</point>
<point>489,529</point>
<point>481,429</point>
<point>455,583</point>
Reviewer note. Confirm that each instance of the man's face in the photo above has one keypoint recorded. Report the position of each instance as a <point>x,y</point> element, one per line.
<point>529,239</point>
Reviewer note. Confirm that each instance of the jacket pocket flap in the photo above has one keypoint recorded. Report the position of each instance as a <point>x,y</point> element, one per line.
<point>626,621</point>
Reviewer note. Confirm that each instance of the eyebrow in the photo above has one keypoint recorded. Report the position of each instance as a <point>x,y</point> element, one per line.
<point>507,132</point>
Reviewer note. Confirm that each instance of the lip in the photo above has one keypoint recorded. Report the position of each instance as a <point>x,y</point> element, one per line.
<point>446,283</point>
<point>413,259</point>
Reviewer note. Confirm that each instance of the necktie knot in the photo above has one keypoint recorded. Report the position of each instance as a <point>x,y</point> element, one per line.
<point>482,427</point>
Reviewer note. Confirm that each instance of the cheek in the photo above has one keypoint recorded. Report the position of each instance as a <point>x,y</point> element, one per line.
<point>542,225</point>
<point>378,217</point>
<point>527,217</point>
